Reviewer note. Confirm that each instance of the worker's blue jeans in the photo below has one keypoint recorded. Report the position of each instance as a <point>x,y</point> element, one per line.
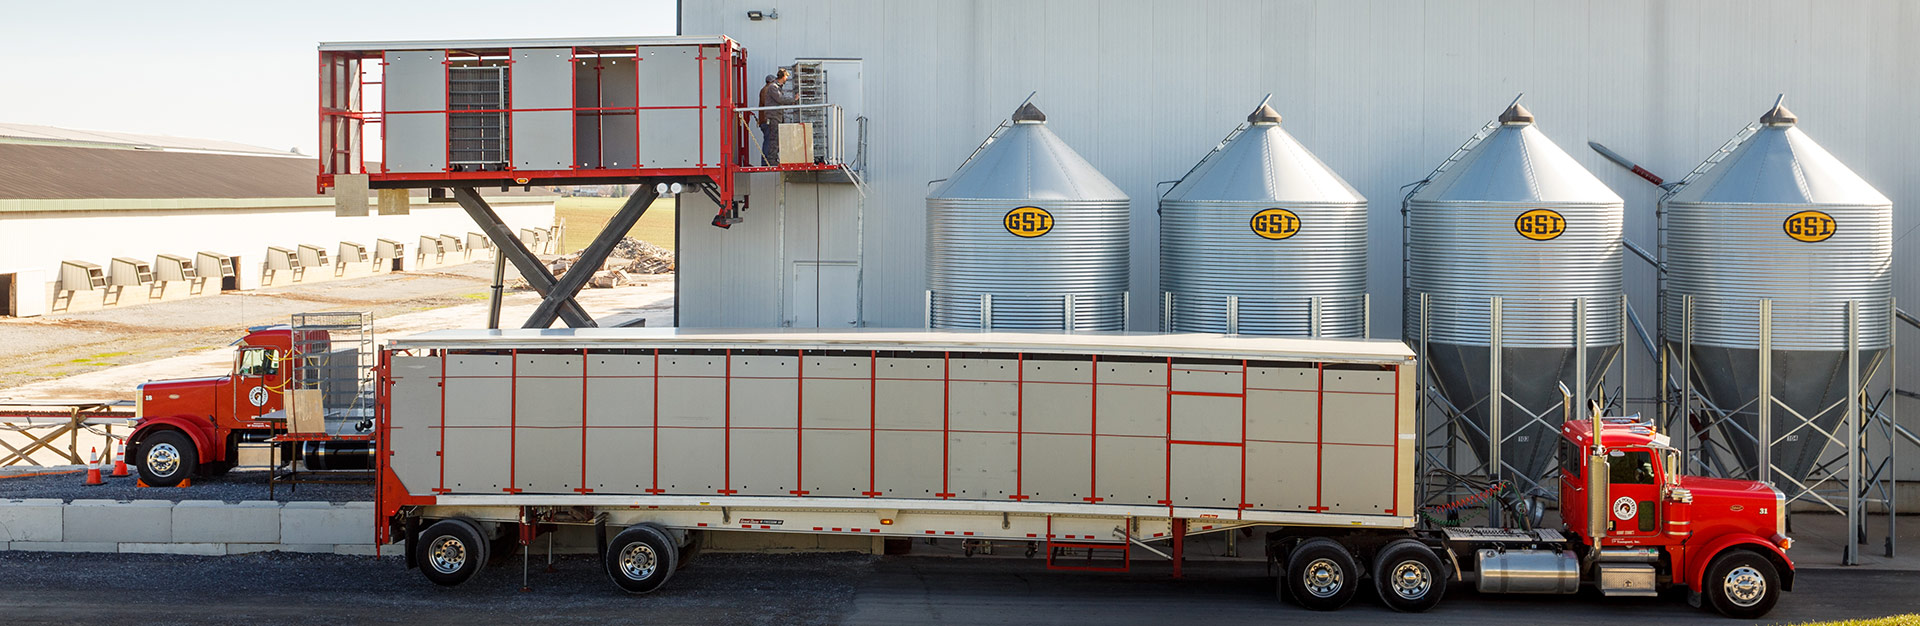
<point>769,144</point>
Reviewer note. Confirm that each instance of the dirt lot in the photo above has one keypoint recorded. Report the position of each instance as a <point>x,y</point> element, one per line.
<point>77,355</point>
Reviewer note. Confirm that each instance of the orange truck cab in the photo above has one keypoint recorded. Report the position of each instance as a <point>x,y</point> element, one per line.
<point>194,426</point>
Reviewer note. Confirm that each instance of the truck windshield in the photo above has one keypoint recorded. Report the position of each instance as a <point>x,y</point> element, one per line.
<point>1635,467</point>
<point>259,362</point>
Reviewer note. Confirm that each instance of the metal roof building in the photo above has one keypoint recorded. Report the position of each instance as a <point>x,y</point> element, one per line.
<point>1380,88</point>
<point>136,209</point>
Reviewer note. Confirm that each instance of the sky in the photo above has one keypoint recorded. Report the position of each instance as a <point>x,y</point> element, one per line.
<point>242,71</point>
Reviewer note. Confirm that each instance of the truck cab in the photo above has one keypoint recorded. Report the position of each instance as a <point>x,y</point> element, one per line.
<point>193,426</point>
<point>1646,525</point>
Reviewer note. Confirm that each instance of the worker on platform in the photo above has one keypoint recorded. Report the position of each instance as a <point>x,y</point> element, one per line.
<point>773,95</point>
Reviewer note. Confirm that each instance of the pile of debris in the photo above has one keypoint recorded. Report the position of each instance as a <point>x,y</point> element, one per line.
<point>630,257</point>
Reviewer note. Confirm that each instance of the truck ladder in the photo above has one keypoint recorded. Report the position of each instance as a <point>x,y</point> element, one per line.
<point>1056,550</point>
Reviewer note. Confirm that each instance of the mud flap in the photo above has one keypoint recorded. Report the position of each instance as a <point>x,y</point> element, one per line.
<point>411,528</point>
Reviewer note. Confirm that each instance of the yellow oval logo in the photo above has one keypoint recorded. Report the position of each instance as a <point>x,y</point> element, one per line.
<point>1540,224</point>
<point>1809,226</point>
<point>1275,224</point>
<point>1029,222</point>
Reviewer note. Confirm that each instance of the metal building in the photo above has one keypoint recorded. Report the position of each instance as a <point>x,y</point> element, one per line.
<point>1381,89</point>
<point>1262,238</point>
<point>1027,235</point>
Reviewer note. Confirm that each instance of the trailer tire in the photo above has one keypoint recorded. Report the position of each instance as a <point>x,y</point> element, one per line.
<point>1741,584</point>
<point>641,558</point>
<point>166,458</point>
<point>451,551</point>
<point>1409,576</point>
<point>1321,574</point>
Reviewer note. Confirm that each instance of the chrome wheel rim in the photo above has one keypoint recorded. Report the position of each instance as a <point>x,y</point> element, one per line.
<point>447,555</point>
<point>1323,578</point>
<point>638,561</point>
<point>163,459</point>
<point>1411,580</point>
<point>1745,586</point>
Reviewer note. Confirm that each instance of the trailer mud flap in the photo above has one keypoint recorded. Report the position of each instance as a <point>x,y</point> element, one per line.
<point>411,526</point>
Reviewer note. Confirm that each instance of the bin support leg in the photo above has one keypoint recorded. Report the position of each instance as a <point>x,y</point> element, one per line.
<point>1179,544</point>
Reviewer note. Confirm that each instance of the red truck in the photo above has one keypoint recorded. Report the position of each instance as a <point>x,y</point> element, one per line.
<point>1094,442</point>
<point>195,427</point>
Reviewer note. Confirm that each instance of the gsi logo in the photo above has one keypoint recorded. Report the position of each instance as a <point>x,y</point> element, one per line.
<point>1810,226</point>
<point>1275,224</point>
<point>1029,222</point>
<point>1540,224</point>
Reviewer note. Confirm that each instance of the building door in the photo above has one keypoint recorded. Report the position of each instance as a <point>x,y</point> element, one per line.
<point>824,294</point>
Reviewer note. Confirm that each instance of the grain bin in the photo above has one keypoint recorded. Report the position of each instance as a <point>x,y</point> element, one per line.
<point>1024,232</point>
<point>1503,243</point>
<point>1778,218</point>
<point>1262,238</point>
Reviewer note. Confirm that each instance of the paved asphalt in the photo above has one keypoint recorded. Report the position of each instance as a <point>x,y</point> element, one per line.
<point>794,589</point>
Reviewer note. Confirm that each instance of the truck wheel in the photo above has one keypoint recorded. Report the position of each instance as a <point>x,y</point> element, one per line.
<point>1409,576</point>
<point>451,551</point>
<point>1321,574</point>
<point>166,458</point>
<point>1741,584</point>
<point>641,558</point>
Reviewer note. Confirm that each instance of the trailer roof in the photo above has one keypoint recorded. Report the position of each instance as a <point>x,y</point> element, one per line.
<point>1140,344</point>
<point>502,44</point>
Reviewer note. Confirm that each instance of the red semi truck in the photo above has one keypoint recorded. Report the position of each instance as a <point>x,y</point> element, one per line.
<point>196,427</point>
<point>1095,443</point>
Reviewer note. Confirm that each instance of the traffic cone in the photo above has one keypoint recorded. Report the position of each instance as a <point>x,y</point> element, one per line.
<point>120,461</point>
<point>93,468</point>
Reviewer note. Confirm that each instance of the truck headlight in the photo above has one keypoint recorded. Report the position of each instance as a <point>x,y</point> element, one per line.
<point>139,401</point>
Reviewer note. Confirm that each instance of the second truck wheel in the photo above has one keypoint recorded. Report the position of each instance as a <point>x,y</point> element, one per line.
<point>641,558</point>
<point>1321,574</point>
<point>1409,576</point>
<point>451,551</point>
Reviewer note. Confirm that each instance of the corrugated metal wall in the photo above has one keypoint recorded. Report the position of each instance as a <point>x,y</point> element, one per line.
<point>1381,90</point>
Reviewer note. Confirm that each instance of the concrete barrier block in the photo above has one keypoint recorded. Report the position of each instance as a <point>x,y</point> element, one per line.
<point>137,521</point>
<point>199,549</point>
<point>212,521</point>
<point>323,522</point>
<point>250,548</point>
<point>37,519</point>
<point>64,546</point>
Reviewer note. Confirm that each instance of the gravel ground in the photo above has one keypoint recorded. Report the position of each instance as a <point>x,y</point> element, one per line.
<point>236,485</point>
<point>801,589</point>
<point>283,588</point>
<point>54,346</point>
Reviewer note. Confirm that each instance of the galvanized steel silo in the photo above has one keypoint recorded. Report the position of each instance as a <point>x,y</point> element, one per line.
<point>1264,222</point>
<point>1778,218</point>
<point>1030,225</point>
<point>1514,217</point>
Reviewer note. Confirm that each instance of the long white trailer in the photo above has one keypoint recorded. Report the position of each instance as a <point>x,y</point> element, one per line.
<point>1098,443</point>
<point>1088,441</point>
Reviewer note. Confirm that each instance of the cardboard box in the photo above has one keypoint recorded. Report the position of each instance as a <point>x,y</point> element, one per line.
<point>305,414</point>
<point>796,143</point>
